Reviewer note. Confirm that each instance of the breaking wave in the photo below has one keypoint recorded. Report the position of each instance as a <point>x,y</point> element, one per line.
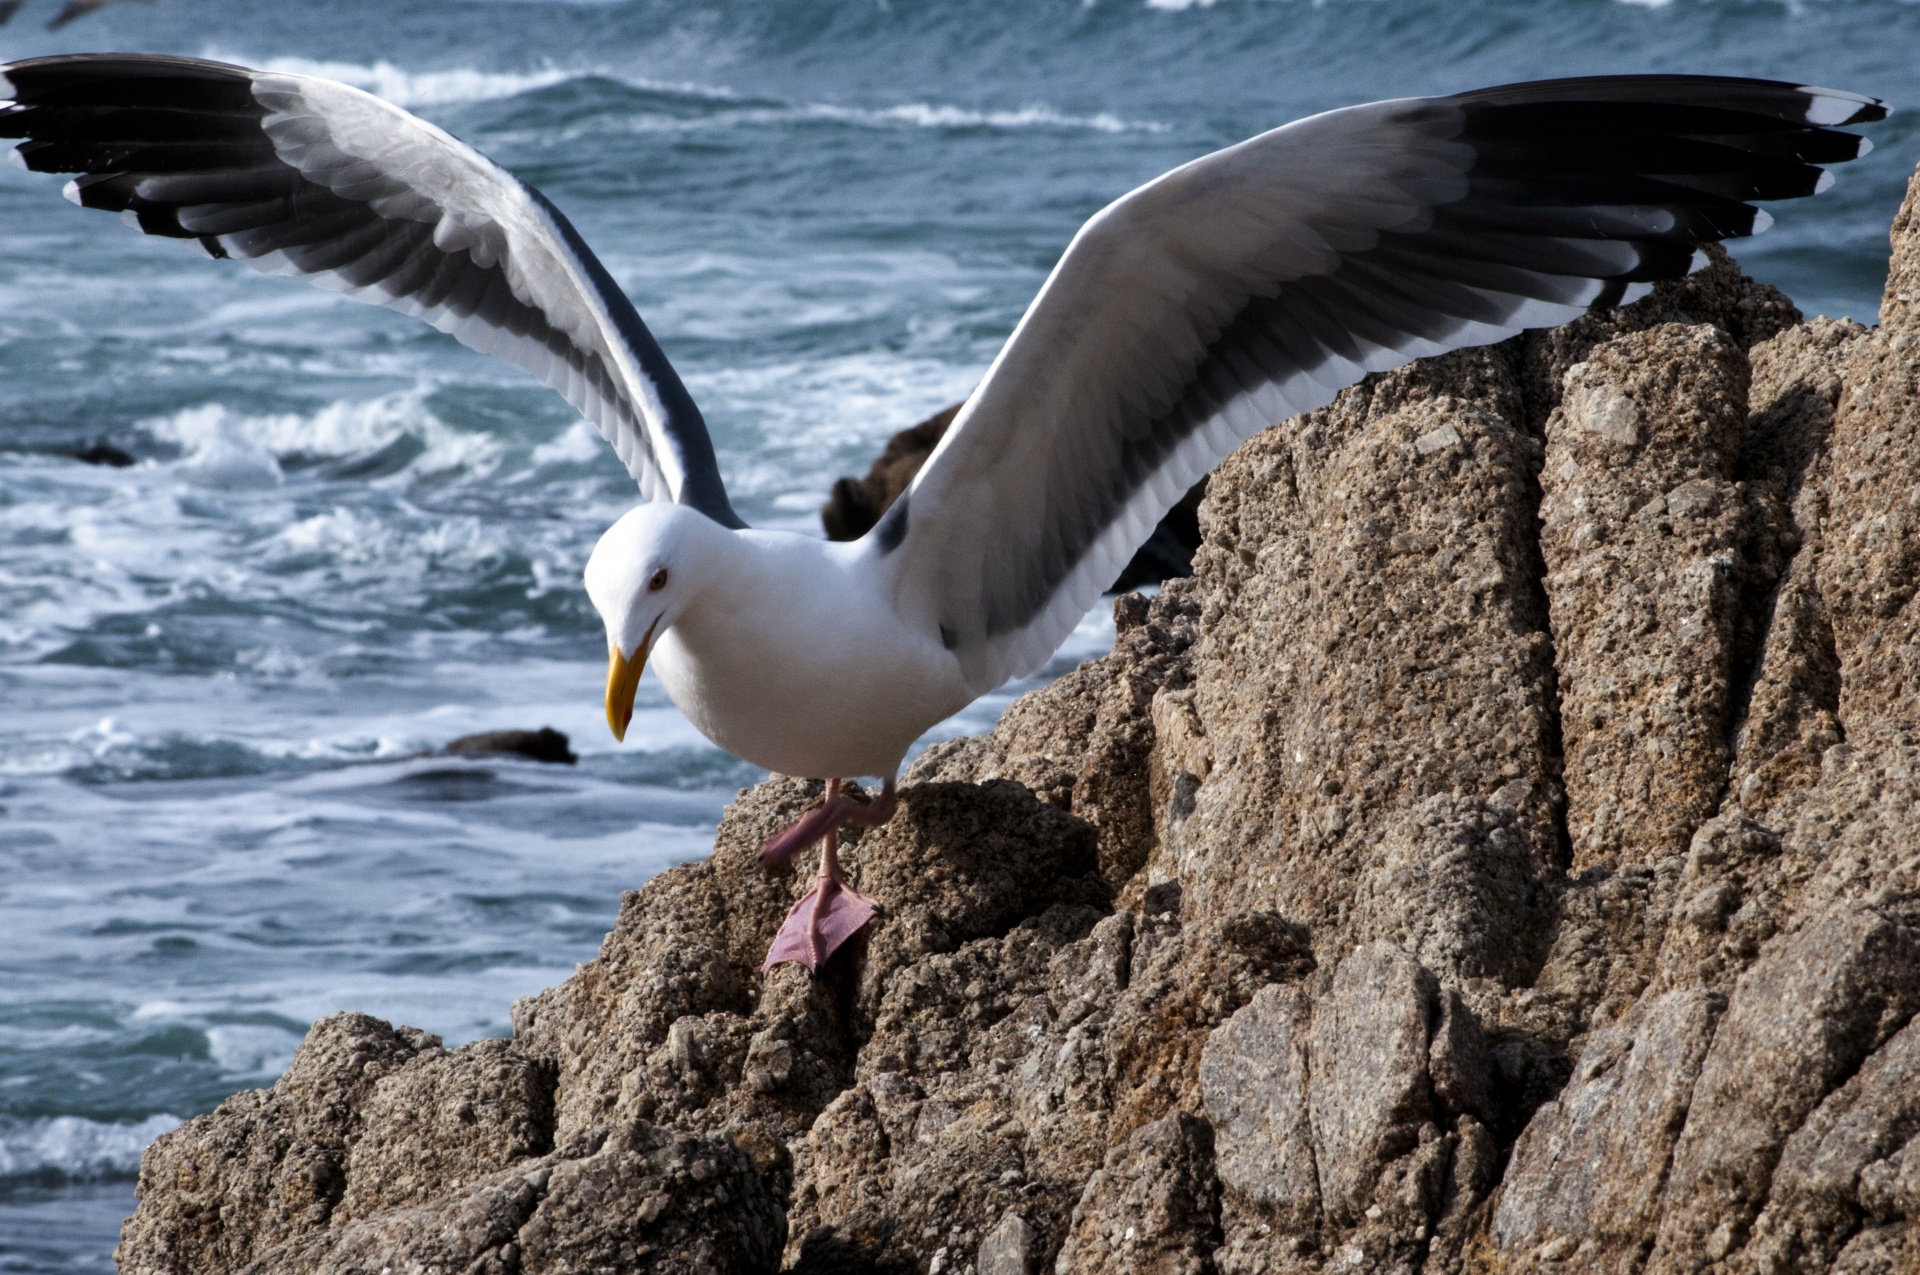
<point>75,1149</point>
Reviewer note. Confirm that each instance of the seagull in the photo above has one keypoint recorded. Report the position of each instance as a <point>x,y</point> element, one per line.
<point>1229,294</point>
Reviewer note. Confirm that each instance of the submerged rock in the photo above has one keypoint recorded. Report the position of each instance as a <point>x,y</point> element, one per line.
<point>1498,857</point>
<point>545,744</point>
<point>101,452</point>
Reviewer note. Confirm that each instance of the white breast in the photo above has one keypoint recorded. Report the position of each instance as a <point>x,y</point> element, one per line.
<point>795,662</point>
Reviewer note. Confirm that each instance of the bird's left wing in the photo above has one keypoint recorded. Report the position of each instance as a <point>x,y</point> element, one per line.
<point>297,175</point>
<point>1257,282</point>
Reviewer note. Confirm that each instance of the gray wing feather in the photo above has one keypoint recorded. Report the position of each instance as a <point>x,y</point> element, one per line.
<point>302,176</point>
<point>1255,283</point>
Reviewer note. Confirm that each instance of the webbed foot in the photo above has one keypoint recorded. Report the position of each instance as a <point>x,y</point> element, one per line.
<point>833,911</point>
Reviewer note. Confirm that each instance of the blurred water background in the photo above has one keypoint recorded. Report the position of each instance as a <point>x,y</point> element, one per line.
<point>346,539</point>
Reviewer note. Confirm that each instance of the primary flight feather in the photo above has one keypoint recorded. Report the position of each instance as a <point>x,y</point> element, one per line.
<point>1238,290</point>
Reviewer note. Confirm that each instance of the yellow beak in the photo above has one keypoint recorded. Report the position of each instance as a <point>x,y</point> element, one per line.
<point>623,680</point>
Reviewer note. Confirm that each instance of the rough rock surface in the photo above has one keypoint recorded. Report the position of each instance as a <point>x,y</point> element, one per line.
<point>1498,857</point>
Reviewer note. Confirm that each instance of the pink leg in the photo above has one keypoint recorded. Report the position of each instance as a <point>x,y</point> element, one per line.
<point>833,911</point>
<point>836,812</point>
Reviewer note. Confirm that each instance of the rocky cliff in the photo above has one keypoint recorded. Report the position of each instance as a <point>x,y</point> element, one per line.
<point>1500,856</point>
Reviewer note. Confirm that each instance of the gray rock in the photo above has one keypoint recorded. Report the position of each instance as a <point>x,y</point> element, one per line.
<point>1592,1165</point>
<point>1008,1248</point>
<point>1255,1077</point>
<point>1815,1005</point>
<point>545,744</point>
<point>1152,1207</point>
<point>1367,1056</point>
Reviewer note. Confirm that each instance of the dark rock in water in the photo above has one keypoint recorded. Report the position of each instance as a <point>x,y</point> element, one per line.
<point>857,503</point>
<point>545,744</point>
<point>1497,859</point>
<point>103,453</point>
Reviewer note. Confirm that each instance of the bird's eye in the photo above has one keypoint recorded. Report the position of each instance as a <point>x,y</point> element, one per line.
<point>657,581</point>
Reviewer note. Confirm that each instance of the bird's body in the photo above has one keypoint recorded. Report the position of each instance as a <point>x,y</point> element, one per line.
<point>794,658</point>
<point>1234,292</point>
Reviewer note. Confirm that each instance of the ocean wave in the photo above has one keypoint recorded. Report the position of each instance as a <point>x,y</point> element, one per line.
<point>252,1049</point>
<point>450,87</point>
<point>76,1149</point>
<point>225,448</point>
<point>459,86</point>
<point>466,85</point>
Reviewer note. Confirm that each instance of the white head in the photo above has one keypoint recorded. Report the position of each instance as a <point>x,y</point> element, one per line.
<point>646,569</point>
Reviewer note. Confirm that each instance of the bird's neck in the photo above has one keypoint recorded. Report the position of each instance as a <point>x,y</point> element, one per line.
<point>782,578</point>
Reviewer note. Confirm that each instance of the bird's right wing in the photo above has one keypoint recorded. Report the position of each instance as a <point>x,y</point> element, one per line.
<point>297,175</point>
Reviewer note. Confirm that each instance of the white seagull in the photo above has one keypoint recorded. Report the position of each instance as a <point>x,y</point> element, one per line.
<point>1231,293</point>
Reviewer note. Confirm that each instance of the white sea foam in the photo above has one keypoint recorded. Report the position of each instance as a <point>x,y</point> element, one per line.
<point>795,425</point>
<point>75,1147</point>
<point>579,444</point>
<point>1035,115</point>
<point>423,88</point>
<point>228,448</point>
<point>247,1049</point>
<point>217,454</point>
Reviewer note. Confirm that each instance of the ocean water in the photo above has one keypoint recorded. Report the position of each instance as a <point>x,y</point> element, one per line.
<point>347,540</point>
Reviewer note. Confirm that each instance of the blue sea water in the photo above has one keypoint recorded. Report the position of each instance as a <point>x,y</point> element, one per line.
<point>347,539</point>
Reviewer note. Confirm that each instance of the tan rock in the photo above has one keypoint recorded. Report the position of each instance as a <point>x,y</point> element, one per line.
<point>1642,529</point>
<point>270,1165</point>
<point>1381,607</point>
<point>443,1120</point>
<point>1500,857</point>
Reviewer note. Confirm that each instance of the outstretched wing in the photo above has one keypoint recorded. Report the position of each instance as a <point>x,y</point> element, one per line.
<point>303,176</point>
<point>1257,282</point>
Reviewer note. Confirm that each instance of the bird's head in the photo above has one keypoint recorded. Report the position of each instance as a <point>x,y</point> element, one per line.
<point>642,574</point>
